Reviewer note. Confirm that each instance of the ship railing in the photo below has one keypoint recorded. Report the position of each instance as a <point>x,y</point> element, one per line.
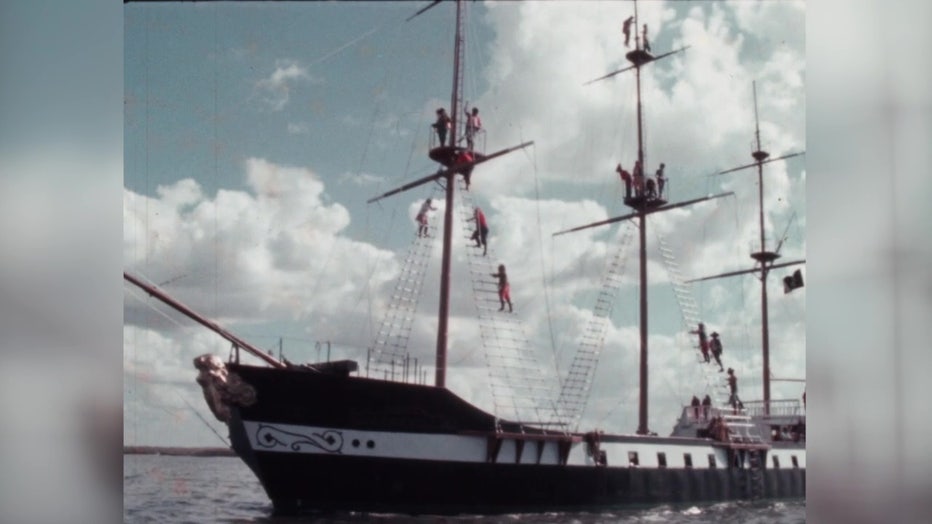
<point>479,139</point>
<point>699,414</point>
<point>705,414</point>
<point>778,408</point>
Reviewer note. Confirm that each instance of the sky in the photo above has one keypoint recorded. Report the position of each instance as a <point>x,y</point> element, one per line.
<point>63,179</point>
<point>255,134</point>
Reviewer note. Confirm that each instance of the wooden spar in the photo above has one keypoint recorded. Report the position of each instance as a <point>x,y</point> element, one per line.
<point>647,212</point>
<point>446,173</point>
<point>422,10</point>
<point>769,160</point>
<point>190,313</point>
<point>622,70</point>
<point>746,271</point>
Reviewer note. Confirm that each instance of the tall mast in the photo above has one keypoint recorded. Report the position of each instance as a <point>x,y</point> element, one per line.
<point>642,205</point>
<point>642,239</point>
<point>444,313</point>
<point>448,156</point>
<point>764,257</point>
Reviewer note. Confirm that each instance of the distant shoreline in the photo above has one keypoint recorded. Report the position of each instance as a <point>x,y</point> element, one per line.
<point>177,451</point>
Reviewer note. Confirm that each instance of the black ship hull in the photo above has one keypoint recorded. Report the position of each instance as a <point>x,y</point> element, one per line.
<point>321,442</point>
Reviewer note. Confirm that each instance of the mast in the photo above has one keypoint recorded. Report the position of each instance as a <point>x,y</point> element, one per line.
<point>440,376</point>
<point>642,205</point>
<point>448,157</point>
<point>764,257</point>
<point>642,240</point>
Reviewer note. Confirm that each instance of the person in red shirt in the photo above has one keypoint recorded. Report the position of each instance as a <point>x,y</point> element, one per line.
<point>481,234</point>
<point>504,290</point>
<point>465,157</point>
<point>626,178</point>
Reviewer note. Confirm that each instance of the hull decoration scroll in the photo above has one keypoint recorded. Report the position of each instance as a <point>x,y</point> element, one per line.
<point>272,437</point>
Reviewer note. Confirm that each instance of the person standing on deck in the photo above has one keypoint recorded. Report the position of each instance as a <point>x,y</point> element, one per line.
<point>626,29</point>
<point>626,178</point>
<point>661,181</point>
<point>716,346</point>
<point>442,125</point>
<point>473,125</point>
<point>706,406</point>
<point>695,406</point>
<point>703,341</point>
<point>481,234</point>
<point>504,291</point>
<point>422,218</point>
<point>733,400</point>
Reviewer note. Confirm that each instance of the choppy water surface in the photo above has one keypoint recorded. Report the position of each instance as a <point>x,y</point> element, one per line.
<point>222,489</point>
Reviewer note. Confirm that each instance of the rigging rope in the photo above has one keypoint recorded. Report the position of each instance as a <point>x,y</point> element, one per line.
<point>543,270</point>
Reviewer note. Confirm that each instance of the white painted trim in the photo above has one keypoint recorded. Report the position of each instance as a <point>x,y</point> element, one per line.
<point>290,438</point>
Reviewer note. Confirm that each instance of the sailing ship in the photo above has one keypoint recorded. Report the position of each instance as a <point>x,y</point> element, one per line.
<point>322,437</point>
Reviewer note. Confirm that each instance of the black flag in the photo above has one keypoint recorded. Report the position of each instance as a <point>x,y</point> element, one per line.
<point>791,282</point>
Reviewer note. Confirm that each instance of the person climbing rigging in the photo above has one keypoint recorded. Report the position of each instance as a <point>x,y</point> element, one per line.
<point>626,29</point>
<point>442,125</point>
<point>422,218</point>
<point>661,180</point>
<point>481,234</point>
<point>715,345</point>
<point>504,291</point>
<point>703,341</point>
<point>626,178</point>
<point>473,125</point>
<point>646,43</point>
<point>463,157</point>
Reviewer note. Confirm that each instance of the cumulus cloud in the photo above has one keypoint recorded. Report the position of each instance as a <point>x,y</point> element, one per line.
<point>297,128</point>
<point>275,89</point>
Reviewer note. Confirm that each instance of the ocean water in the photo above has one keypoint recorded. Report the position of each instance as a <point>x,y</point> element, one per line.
<point>222,489</point>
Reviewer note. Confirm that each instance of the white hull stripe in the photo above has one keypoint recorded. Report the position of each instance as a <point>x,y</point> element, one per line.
<point>290,438</point>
